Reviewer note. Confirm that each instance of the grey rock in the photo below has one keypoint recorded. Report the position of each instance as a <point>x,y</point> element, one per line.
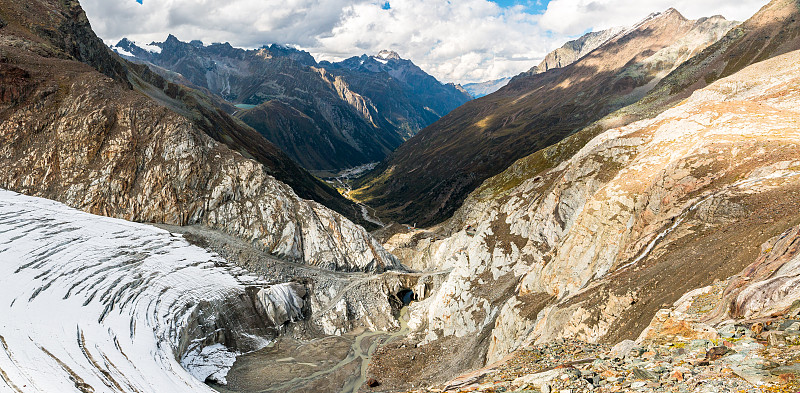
<point>622,349</point>
<point>639,373</point>
<point>788,369</point>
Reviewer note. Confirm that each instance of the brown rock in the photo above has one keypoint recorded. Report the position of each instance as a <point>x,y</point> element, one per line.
<point>608,374</point>
<point>669,324</point>
<point>716,353</point>
<point>372,382</point>
<point>757,328</point>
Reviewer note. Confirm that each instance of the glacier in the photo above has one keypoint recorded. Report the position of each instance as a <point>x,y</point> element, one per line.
<point>96,304</point>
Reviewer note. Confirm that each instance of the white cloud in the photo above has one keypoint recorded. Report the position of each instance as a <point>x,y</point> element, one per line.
<point>466,40</point>
<point>456,40</point>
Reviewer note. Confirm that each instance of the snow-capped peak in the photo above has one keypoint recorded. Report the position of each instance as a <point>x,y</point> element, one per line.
<point>129,48</point>
<point>388,55</point>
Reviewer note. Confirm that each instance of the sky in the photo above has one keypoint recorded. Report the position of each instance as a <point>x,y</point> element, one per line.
<point>454,40</point>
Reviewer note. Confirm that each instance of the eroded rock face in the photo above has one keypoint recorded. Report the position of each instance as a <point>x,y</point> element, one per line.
<point>770,286</point>
<point>639,216</point>
<point>136,160</point>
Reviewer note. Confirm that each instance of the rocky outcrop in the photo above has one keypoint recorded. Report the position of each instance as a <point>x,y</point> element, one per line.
<point>775,281</point>
<point>767,288</point>
<point>731,362</point>
<point>427,178</point>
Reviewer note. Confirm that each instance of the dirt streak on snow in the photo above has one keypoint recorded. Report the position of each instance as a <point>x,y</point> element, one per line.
<point>90,303</point>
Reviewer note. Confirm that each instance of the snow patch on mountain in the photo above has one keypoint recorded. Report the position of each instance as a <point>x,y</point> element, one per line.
<point>388,55</point>
<point>122,51</point>
<point>150,48</point>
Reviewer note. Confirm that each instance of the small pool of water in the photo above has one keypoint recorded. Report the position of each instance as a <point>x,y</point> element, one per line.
<point>244,106</point>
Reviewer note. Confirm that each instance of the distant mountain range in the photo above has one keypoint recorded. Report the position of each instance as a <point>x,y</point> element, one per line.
<point>326,116</point>
<point>480,89</point>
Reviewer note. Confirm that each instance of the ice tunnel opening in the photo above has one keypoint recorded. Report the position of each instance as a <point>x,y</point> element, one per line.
<point>406,296</point>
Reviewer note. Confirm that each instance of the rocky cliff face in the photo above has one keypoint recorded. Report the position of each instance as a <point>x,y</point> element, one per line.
<point>407,96</point>
<point>428,177</point>
<point>72,134</point>
<point>592,248</point>
<point>575,49</point>
<point>326,116</point>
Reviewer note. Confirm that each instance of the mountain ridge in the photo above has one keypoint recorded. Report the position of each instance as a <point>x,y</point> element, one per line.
<point>480,89</point>
<point>427,177</point>
<point>326,116</point>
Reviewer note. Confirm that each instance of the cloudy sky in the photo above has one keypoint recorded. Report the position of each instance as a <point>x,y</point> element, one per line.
<point>454,40</point>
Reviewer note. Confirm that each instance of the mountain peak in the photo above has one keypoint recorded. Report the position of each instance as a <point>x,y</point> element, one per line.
<point>388,55</point>
<point>124,42</point>
<point>669,13</point>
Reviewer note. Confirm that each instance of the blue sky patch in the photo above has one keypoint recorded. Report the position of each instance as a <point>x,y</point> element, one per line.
<point>139,1</point>
<point>386,6</point>
<point>531,6</point>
